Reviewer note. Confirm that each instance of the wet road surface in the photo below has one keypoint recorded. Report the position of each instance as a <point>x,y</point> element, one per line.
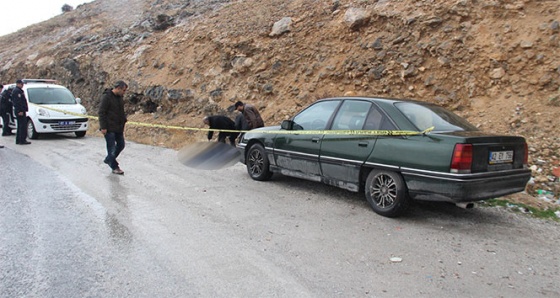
<point>70,228</point>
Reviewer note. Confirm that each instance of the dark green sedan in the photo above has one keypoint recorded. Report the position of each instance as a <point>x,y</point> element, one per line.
<point>394,150</point>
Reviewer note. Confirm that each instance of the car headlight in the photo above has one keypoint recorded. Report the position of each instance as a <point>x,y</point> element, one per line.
<point>43,112</point>
<point>83,110</point>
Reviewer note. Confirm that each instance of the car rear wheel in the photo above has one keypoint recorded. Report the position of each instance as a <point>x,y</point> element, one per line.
<point>80,134</point>
<point>386,193</point>
<point>258,165</point>
<point>31,132</point>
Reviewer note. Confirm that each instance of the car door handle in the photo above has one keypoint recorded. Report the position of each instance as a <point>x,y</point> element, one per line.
<point>315,140</point>
<point>363,144</point>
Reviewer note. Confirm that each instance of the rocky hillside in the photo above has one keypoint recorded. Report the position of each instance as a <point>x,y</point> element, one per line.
<point>496,62</point>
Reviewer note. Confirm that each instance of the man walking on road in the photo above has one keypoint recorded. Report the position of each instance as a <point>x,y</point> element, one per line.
<point>111,123</point>
<point>20,108</point>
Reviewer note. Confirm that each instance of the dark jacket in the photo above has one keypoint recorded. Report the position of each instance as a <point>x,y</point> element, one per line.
<point>240,123</point>
<point>219,122</point>
<point>19,101</point>
<point>6,101</point>
<point>252,116</point>
<point>111,112</point>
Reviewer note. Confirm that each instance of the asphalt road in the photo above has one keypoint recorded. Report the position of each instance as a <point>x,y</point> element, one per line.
<point>70,228</point>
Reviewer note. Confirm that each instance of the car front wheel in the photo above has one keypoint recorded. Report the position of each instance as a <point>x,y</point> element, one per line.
<point>31,132</point>
<point>80,134</point>
<point>258,164</point>
<point>386,193</point>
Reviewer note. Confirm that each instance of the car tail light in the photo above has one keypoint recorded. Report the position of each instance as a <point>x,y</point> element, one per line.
<point>526,157</point>
<point>462,159</point>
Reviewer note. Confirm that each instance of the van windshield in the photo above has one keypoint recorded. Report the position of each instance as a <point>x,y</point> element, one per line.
<point>50,96</point>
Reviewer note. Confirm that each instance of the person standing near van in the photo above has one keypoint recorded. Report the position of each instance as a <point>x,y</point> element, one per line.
<point>6,110</point>
<point>111,123</point>
<point>20,108</point>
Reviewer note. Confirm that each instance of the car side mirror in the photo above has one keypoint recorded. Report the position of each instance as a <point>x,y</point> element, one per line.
<point>287,124</point>
<point>78,100</point>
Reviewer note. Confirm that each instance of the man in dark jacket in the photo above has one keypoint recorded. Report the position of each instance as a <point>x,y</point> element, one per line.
<point>20,108</point>
<point>251,115</point>
<point>221,122</point>
<point>111,123</point>
<point>6,110</point>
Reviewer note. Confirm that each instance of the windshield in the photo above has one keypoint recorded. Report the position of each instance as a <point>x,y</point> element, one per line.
<point>51,96</point>
<point>426,116</point>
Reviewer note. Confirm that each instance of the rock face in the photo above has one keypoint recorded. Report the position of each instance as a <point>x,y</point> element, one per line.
<point>282,26</point>
<point>356,18</point>
<point>495,63</point>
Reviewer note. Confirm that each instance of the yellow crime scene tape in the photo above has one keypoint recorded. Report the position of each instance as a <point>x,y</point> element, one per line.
<point>297,132</point>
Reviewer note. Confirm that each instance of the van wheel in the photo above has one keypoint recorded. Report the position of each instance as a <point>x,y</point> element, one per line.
<point>386,193</point>
<point>31,132</point>
<point>80,134</point>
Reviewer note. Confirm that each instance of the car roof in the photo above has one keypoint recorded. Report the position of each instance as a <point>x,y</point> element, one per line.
<point>42,85</point>
<point>378,99</point>
<point>48,81</point>
<point>37,83</point>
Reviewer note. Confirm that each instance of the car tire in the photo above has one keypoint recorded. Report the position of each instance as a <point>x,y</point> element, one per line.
<point>31,132</point>
<point>257,163</point>
<point>80,134</point>
<point>386,193</point>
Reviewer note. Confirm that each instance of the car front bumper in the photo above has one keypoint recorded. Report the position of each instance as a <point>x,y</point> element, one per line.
<point>61,125</point>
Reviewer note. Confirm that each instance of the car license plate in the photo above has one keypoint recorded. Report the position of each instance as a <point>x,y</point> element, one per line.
<point>500,157</point>
<point>66,122</point>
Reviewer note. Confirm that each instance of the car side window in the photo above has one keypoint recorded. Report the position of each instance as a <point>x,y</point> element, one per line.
<point>351,115</point>
<point>374,119</point>
<point>316,116</point>
<point>386,124</point>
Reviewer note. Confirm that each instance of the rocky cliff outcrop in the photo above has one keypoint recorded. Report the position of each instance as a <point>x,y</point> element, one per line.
<point>497,63</point>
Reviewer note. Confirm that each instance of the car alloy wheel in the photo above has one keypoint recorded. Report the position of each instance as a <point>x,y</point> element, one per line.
<point>257,163</point>
<point>386,193</point>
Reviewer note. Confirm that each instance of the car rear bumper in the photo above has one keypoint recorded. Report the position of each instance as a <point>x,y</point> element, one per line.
<point>457,188</point>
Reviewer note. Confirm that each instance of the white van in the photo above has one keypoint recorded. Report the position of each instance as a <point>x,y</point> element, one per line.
<point>52,109</point>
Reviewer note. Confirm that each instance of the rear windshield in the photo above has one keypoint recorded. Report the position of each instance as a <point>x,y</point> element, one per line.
<point>426,116</point>
<point>48,95</point>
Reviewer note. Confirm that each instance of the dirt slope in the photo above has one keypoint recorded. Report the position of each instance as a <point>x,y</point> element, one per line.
<point>497,63</point>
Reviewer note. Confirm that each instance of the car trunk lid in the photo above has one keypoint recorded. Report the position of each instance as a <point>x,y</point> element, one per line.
<point>489,153</point>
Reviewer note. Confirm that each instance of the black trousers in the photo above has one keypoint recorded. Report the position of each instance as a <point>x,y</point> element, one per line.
<point>231,135</point>
<point>6,130</point>
<point>21,136</point>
